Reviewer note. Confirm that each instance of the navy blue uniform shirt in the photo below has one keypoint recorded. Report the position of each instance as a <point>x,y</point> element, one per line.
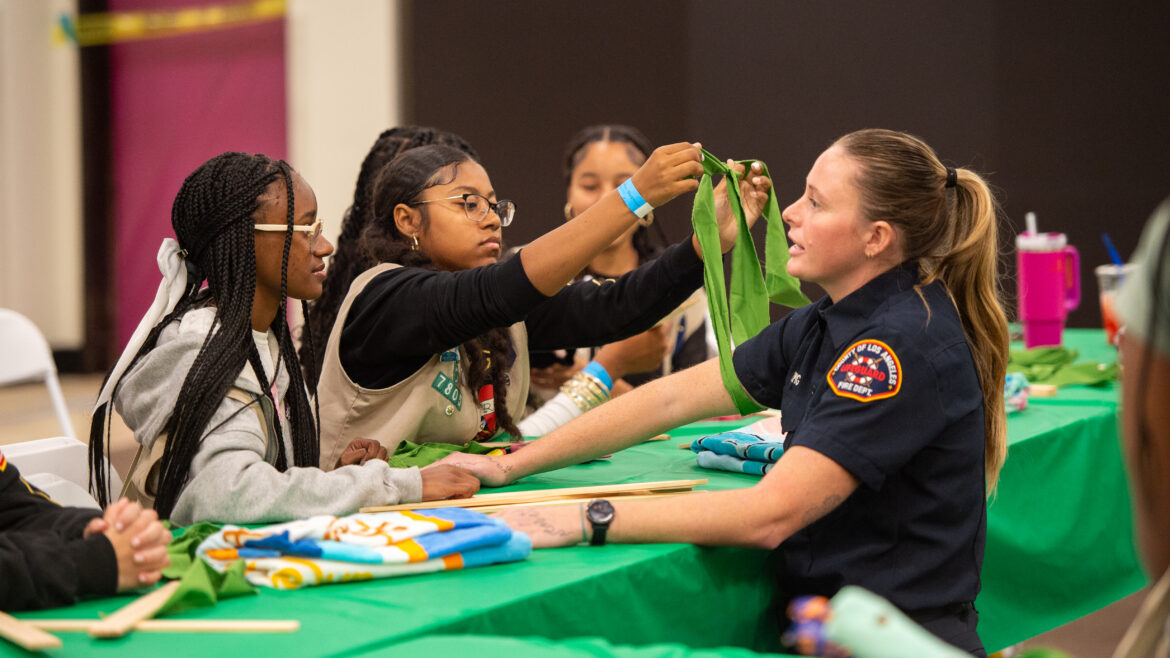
<point>888,390</point>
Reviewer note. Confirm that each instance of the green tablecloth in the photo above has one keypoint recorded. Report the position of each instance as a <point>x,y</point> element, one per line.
<point>1059,546</point>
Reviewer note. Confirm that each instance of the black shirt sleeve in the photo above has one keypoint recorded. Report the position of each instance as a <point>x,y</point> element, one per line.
<point>44,562</point>
<point>587,313</point>
<point>407,314</point>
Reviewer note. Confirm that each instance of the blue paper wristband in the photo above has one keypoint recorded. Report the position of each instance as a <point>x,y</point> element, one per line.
<point>597,370</point>
<point>633,199</point>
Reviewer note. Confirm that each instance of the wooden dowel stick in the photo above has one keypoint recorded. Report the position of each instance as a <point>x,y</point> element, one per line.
<point>122,621</point>
<point>546,494</point>
<point>488,509</point>
<point>177,625</point>
<point>26,635</point>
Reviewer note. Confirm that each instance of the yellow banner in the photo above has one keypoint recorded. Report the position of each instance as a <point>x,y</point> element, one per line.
<point>120,27</point>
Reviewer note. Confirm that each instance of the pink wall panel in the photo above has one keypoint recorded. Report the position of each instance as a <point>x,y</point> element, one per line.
<point>176,102</point>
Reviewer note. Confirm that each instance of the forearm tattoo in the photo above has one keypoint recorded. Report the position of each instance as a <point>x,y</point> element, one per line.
<point>813,514</point>
<point>537,520</point>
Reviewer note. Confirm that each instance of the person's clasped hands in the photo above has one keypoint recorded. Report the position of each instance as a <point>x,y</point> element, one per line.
<point>139,541</point>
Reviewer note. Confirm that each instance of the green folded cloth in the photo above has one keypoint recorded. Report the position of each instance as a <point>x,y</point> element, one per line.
<point>1054,366</point>
<point>409,454</point>
<point>750,289</point>
<point>201,585</point>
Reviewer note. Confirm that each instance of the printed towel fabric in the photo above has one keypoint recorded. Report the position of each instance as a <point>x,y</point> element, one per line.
<point>753,449</point>
<point>329,549</point>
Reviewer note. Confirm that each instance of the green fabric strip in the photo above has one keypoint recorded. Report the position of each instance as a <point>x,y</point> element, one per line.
<point>409,454</point>
<point>743,312</point>
<point>201,585</point>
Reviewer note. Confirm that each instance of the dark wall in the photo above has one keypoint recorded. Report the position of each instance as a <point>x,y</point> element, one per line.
<point>1064,106</point>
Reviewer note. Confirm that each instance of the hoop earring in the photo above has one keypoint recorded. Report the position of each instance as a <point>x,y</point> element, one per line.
<point>568,211</point>
<point>414,243</point>
<point>648,219</point>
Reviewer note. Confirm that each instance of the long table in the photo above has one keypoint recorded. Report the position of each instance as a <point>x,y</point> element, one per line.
<point>1059,546</point>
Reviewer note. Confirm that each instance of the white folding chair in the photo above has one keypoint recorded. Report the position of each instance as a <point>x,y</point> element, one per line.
<point>25,357</point>
<point>60,467</point>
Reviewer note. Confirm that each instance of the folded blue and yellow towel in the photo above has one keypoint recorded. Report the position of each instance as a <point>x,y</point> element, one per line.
<point>328,549</point>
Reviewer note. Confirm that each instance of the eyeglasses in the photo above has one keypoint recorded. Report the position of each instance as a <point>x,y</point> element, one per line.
<point>476,207</point>
<point>314,230</point>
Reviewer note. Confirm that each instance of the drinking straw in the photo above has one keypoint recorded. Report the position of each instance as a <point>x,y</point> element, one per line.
<point>1116,257</point>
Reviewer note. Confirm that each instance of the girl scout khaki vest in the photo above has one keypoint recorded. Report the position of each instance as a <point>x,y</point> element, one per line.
<point>426,407</point>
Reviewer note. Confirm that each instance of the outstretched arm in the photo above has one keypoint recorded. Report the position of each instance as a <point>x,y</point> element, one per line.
<point>554,259</point>
<point>616,425</point>
<point>803,487</point>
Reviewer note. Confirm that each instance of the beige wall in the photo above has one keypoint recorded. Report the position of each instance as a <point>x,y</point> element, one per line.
<point>343,82</point>
<point>343,89</point>
<point>40,172</point>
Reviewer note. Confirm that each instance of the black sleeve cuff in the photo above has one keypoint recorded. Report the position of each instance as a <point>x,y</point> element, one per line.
<point>96,564</point>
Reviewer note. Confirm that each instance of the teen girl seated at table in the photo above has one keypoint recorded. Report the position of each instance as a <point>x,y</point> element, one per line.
<point>431,345</point>
<point>890,387</point>
<point>212,388</point>
<point>52,555</point>
<point>599,159</point>
<point>348,259</point>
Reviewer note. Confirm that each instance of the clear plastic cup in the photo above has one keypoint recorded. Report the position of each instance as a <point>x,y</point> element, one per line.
<point>1109,278</point>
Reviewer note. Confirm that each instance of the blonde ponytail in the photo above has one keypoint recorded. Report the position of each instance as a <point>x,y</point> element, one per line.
<point>970,272</point>
<point>952,238</point>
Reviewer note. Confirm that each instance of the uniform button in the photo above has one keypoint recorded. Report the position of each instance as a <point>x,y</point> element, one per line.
<point>450,410</point>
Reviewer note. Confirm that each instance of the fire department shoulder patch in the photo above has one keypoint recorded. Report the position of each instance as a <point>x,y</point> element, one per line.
<point>867,371</point>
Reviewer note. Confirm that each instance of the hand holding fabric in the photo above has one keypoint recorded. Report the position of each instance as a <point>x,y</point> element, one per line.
<point>670,170</point>
<point>753,192</point>
<point>442,481</point>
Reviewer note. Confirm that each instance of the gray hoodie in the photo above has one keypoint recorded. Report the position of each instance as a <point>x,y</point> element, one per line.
<point>229,480</point>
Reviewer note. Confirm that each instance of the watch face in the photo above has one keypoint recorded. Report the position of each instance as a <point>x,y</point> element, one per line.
<point>600,511</point>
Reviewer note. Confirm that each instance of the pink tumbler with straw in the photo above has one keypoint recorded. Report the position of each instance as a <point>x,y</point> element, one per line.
<point>1048,275</point>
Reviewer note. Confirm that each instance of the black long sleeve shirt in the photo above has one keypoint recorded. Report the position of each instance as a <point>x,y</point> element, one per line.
<point>44,562</point>
<point>406,315</point>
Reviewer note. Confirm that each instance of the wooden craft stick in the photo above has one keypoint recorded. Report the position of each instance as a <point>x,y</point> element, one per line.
<point>26,635</point>
<point>684,446</point>
<point>1042,390</point>
<point>128,616</point>
<point>488,509</point>
<point>515,497</point>
<point>178,625</point>
<point>657,437</point>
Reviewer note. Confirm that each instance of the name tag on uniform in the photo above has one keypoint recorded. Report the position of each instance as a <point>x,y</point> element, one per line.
<point>867,371</point>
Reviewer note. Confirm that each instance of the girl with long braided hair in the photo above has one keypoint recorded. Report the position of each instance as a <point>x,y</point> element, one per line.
<point>431,345</point>
<point>349,260</point>
<point>210,383</point>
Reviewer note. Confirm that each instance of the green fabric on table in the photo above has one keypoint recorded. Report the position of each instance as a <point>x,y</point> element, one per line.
<point>200,585</point>
<point>182,547</point>
<point>409,454</point>
<point>747,313</point>
<point>1054,365</point>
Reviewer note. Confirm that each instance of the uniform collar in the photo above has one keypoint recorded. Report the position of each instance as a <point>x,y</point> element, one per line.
<point>849,316</point>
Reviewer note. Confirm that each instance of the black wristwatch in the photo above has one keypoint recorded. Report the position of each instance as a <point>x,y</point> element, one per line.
<point>600,515</point>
